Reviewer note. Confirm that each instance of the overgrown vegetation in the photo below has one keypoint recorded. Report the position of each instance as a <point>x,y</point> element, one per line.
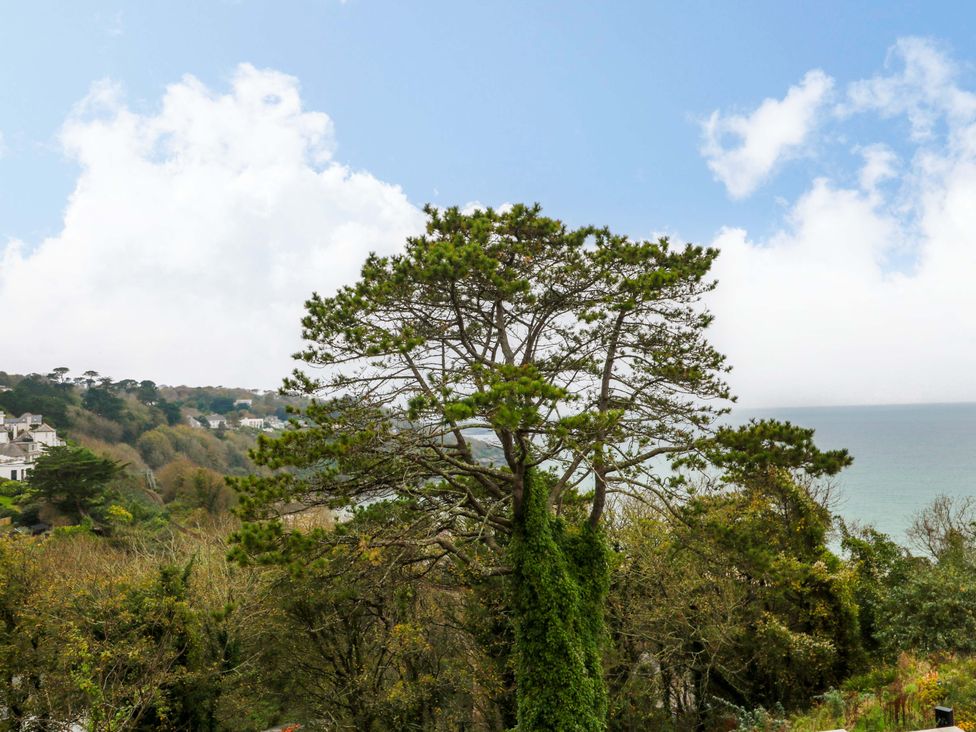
<point>898,696</point>
<point>146,626</point>
<point>613,557</point>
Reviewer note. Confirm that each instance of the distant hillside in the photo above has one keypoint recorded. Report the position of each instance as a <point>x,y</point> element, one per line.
<point>159,432</point>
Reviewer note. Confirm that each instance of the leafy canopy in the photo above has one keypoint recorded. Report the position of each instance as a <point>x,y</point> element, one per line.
<point>578,353</point>
<point>575,349</point>
<point>72,479</point>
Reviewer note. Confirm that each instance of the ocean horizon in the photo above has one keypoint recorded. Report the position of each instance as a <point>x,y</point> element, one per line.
<point>905,455</point>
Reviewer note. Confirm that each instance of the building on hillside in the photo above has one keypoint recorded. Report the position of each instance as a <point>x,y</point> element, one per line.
<point>272,424</point>
<point>215,421</point>
<point>243,403</point>
<point>22,440</point>
<point>14,463</point>
<point>46,435</point>
<point>28,444</point>
<point>252,422</point>
<point>16,426</point>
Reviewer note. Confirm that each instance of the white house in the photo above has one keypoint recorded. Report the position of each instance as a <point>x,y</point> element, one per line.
<point>14,462</point>
<point>22,440</point>
<point>254,422</point>
<point>46,435</point>
<point>26,442</point>
<point>243,402</point>
<point>18,425</point>
<point>272,423</point>
<point>215,421</point>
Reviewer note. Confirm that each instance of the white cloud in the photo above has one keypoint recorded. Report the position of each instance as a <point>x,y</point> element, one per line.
<point>471,206</point>
<point>193,236</point>
<point>195,233</point>
<point>774,131</point>
<point>880,164</point>
<point>816,313</point>
<point>924,89</point>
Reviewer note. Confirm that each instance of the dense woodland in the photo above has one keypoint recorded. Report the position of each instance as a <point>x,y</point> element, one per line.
<point>359,573</point>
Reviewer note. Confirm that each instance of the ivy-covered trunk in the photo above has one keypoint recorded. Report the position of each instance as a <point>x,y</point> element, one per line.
<point>559,582</point>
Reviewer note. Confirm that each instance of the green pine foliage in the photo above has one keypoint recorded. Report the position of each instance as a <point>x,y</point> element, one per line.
<point>573,347</point>
<point>73,480</point>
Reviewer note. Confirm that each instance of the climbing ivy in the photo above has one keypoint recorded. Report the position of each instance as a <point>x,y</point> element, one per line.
<point>560,581</point>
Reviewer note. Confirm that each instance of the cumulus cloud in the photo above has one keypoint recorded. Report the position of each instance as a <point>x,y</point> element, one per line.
<point>923,89</point>
<point>880,164</point>
<point>194,234</point>
<point>817,313</point>
<point>471,206</point>
<point>773,132</point>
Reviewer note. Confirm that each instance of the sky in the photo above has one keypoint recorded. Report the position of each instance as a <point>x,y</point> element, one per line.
<point>177,178</point>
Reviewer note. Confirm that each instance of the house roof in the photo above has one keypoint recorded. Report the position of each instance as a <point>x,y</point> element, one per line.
<point>25,418</point>
<point>44,427</point>
<point>9,449</point>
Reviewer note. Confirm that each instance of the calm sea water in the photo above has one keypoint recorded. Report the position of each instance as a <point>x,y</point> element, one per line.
<point>904,456</point>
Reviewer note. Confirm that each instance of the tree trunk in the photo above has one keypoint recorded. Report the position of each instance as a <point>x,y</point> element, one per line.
<point>559,582</point>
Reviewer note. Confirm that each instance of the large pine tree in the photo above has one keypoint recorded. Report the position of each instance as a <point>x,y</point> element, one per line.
<point>580,354</point>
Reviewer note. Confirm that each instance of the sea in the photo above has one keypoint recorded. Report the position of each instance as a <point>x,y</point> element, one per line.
<point>904,456</point>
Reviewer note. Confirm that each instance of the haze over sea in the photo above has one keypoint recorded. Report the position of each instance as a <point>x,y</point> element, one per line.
<point>904,456</point>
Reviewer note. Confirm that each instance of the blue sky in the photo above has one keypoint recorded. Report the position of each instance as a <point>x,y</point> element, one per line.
<point>589,108</point>
<point>600,111</point>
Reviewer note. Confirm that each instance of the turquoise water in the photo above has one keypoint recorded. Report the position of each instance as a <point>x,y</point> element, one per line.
<point>904,456</point>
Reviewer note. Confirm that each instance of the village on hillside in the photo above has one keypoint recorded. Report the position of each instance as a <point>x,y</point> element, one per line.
<point>22,440</point>
<point>215,421</point>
